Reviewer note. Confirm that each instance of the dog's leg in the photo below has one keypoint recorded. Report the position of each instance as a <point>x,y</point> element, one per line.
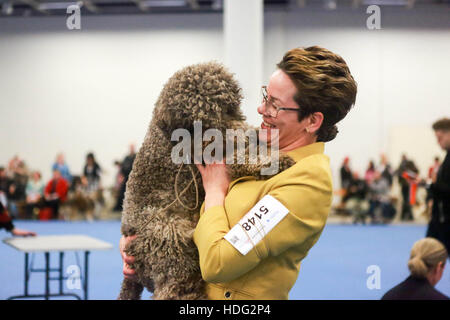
<point>130,290</point>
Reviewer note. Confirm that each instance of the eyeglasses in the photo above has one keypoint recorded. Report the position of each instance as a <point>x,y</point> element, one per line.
<point>269,105</point>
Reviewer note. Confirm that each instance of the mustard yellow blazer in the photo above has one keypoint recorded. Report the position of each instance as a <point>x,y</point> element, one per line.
<point>270,269</point>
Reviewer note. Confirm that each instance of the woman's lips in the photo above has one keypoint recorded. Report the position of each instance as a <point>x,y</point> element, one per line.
<point>265,125</point>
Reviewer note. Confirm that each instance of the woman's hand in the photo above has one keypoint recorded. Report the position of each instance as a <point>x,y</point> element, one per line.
<point>215,179</point>
<point>22,233</point>
<point>127,260</point>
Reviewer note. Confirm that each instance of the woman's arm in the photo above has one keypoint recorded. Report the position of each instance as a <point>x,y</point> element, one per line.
<point>307,196</point>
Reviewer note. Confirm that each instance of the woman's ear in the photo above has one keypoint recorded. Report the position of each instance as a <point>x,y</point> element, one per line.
<point>440,267</point>
<point>315,121</point>
<point>438,272</point>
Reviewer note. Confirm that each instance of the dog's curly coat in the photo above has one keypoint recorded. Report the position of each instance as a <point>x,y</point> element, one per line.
<point>166,258</point>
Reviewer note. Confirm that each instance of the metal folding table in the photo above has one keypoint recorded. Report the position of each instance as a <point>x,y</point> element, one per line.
<point>56,243</point>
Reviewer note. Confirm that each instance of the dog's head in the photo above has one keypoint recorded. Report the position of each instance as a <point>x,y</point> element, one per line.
<point>204,92</point>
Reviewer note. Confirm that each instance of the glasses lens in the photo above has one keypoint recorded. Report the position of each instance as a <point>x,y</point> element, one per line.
<point>268,106</point>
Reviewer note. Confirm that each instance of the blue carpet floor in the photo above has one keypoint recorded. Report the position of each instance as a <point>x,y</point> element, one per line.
<point>336,267</point>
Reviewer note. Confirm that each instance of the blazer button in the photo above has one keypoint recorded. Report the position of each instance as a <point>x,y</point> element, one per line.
<point>227,294</point>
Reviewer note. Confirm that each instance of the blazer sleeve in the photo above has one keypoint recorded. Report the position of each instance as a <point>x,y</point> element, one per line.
<point>308,199</point>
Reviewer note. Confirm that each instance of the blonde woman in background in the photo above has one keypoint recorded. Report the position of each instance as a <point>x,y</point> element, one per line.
<point>426,264</point>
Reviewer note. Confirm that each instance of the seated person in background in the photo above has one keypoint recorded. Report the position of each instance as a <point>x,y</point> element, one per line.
<point>55,193</point>
<point>355,199</point>
<point>426,264</point>
<point>17,197</point>
<point>34,192</point>
<point>79,201</point>
<point>6,222</point>
<point>379,190</point>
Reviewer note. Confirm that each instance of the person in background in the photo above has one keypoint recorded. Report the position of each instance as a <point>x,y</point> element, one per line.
<point>62,167</point>
<point>55,193</point>
<point>426,264</point>
<point>125,170</point>
<point>346,179</point>
<point>6,221</point>
<point>432,175</point>
<point>379,198</point>
<point>355,199</point>
<point>13,164</point>
<point>7,186</point>
<point>370,173</point>
<point>406,173</point>
<point>439,225</point>
<point>16,194</point>
<point>346,173</point>
<point>92,173</point>
<point>119,178</point>
<point>34,192</point>
<point>386,170</point>
<point>433,170</point>
<point>5,181</point>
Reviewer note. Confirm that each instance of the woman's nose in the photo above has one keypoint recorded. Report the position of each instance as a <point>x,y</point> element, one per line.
<point>262,108</point>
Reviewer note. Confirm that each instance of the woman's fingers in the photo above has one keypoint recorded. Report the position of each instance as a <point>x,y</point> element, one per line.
<point>124,241</point>
<point>202,169</point>
<point>128,272</point>
<point>128,259</point>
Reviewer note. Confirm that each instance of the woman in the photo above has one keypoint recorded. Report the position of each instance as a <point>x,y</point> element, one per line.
<point>92,172</point>
<point>34,192</point>
<point>310,92</point>
<point>426,264</point>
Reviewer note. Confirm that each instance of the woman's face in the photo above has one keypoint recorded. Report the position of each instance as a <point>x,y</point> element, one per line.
<point>36,176</point>
<point>281,91</point>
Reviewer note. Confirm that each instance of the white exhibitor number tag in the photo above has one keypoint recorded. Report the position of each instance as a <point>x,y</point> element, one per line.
<point>254,226</point>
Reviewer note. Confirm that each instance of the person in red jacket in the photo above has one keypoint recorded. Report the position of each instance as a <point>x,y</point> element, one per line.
<point>55,193</point>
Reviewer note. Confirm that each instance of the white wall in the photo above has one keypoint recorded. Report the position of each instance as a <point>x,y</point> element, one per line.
<point>94,89</point>
<point>401,71</point>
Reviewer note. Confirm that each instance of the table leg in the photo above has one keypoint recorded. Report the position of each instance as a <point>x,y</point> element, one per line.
<point>86,260</point>
<point>61,256</point>
<point>47,272</point>
<point>26,273</point>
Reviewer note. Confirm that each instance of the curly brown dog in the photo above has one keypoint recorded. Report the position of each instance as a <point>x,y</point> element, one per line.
<point>162,197</point>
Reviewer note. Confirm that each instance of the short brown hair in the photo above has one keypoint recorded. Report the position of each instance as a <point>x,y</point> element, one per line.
<point>324,84</point>
<point>442,124</point>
